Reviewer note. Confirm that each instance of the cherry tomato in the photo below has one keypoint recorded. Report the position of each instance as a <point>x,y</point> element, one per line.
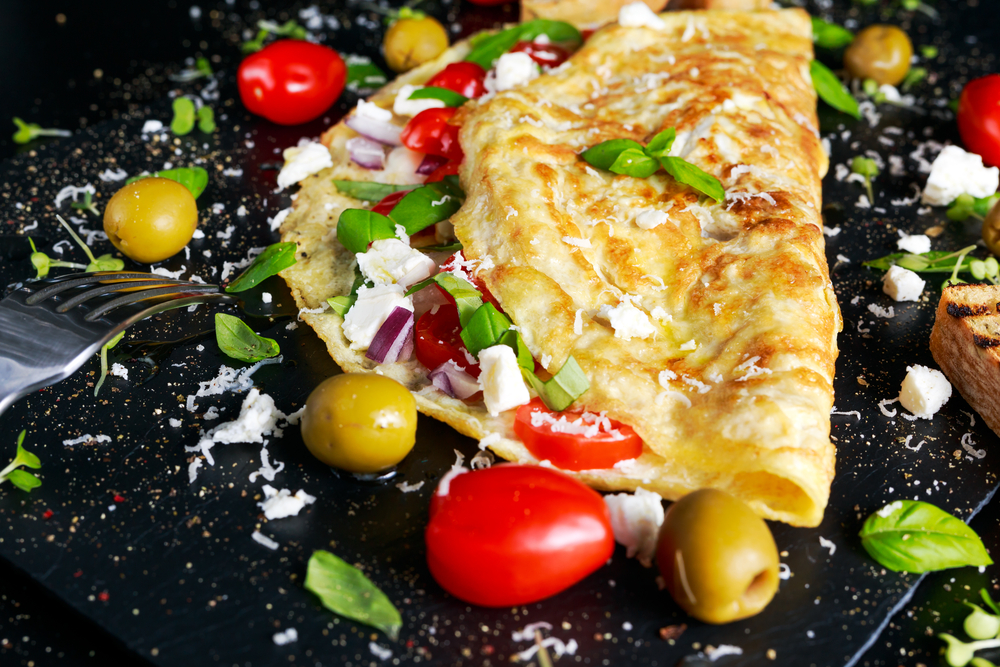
<point>430,132</point>
<point>488,297</point>
<point>447,169</point>
<point>979,118</point>
<point>291,81</point>
<point>548,55</point>
<point>437,339</point>
<point>386,205</point>
<point>510,534</point>
<point>464,78</point>
<point>575,451</point>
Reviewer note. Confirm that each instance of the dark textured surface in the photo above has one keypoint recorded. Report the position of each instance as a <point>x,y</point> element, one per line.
<point>171,574</point>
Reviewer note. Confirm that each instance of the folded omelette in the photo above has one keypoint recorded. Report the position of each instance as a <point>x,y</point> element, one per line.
<point>732,388</point>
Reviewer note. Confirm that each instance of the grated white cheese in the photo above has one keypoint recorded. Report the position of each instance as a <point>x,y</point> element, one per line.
<point>280,504</point>
<point>287,637</point>
<point>264,540</point>
<point>879,311</point>
<point>304,161</point>
<point>628,321</point>
<point>827,544</point>
<point>87,439</point>
<point>406,487</point>
<point>636,520</point>
<point>639,15</point>
<point>379,652</point>
<point>266,470</point>
<point>722,650</point>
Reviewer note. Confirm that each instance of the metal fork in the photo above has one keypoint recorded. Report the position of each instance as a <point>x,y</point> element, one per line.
<point>49,328</point>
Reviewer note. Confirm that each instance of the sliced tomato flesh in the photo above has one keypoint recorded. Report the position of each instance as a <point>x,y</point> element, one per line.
<point>437,338</point>
<point>566,445</point>
<point>389,202</point>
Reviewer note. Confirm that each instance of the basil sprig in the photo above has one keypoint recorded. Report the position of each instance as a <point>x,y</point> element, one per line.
<point>624,156</point>
<point>357,227</point>
<point>934,261</point>
<point>828,35</point>
<point>913,536</point>
<point>467,298</point>
<point>367,190</point>
<point>238,341</point>
<point>195,179</point>
<point>831,90</point>
<point>362,74</point>
<point>345,590</point>
<point>489,49</point>
<point>559,391</point>
<point>449,97</point>
<point>484,329</point>
<point>277,257</point>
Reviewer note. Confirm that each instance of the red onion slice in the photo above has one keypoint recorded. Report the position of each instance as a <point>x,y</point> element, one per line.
<point>377,130</point>
<point>393,338</point>
<point>367,153</point>
<point>452,380</point>
<point>430,163</point>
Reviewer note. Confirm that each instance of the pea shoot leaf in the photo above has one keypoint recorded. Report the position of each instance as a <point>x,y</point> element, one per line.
<point>935,261</point>
<point>195,179</point>
<point>344,590</point>
<point>688,174</point>
<point>449,97</point>
<point>238,341</point>
<point>23,480</point>
<point>369,191</point>
<point>831,90</point>
<point>277,257</point>
<point>358,227</point>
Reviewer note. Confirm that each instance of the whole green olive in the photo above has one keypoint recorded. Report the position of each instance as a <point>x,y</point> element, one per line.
<point>717,557</point>
<point>413,41</point>
<point>991,229</point>
<point>151,219</point>
<point>879,52</point>
<point>360,422</point>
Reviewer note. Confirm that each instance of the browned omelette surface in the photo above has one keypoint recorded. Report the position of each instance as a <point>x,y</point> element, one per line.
<point>733,387</point>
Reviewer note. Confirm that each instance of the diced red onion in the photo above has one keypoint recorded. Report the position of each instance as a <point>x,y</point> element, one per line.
<point>367,153</point>
<point>377,130</point>
<point>452,380</point>
<point>394,339</point>
<point>430,163</point>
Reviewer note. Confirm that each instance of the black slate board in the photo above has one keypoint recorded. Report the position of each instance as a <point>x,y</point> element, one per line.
<point>172,570</point>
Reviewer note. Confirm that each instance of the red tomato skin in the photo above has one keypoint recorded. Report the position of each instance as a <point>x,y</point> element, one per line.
<point>385,206</point>
<point>546,55</point>
<point>430,132</point>
<point>464,78</point>
<point>436,340</point>
<point>291,81</point>
<point>488,297</point>
<point>574,452</point>
<point>511,534</point>
<point>447,169</point>
<point>979,118</point>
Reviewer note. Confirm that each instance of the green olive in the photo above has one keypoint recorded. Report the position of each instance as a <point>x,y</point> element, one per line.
<point>881,53</point>
<point>717,557</point>
<point>412,42</point>
<point>361,422</point>
<point>151,219</point>
<point>991,229</point>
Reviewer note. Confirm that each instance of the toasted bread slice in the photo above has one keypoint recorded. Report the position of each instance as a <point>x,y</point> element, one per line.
<point>965,343</point>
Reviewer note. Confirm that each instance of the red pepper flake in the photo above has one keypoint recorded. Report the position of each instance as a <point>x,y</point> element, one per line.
<point>78,574</point>
<point>119,498</point>
<point>48,514</point>
<point>103,596</point>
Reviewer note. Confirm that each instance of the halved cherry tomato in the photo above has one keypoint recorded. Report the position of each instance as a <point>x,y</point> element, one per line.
<point>979,118</point>
<point>447,169</point>
<point>437,338</point>
<point>464,78</point>
<point>510,534</point>
<point>390,201</point>
<point>547,55</point>
<point>430,132</point>
<point>450,264</point>
<point>291,81</point>
<point>575,451</point>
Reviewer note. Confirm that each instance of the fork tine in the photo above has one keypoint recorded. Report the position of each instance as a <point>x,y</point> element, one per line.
<point>135,297</point>
<point>116,287</point>
<point>64,283</point>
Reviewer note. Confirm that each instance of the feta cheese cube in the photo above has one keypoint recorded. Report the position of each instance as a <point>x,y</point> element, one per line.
<point>957,172</point>
<point>404,106</point>
<point>916,243</point>
<point>370,311</point>
<point>629,322</point>
<point>303,161</point>
<point>515,69</point>
<point>924,391</point>
<point>650,217</point>
<point>500,379</point>
<point>902,284</point>
<point>639,15</point>
<point>373,111</point>
<point>390,261</point>
<point>635,521</point>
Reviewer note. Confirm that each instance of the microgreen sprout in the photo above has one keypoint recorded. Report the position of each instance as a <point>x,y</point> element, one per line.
<point>184,116</point>
<point>104,360</point>
<point>913,77</point>
<point>918,6</point>
<point>959,653</point>
<point>103,263</point>
<point>966,206</point>
<point>985,269</point>
<point>264,28</point>
<point>866,167</point>
<point>43,263</point>
<point>954,280</point>
<point>87,205</point>
<point>30,131</point>
<point>202,69</point>
<point>22,479</point>
<point>206,119</point>
<point>981,624</point>
<point>929,51</point>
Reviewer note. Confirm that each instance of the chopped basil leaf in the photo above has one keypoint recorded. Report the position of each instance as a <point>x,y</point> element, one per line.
<point>484,328</point>
<point>935,261</point>
<point>830,35</point>
<point>604,154</point>
<point>634,162</point>
<point>467,298</point>
<point>277,257</point>
<point>660,145</point>
<point>195,179</point>
<point>367,190</point>
<point>358,227</point>
<point>451,247</point>
<point>513,340</point>
<point>362,73</point>
<point>344,590</point>
<point>426,205</point>
<point>488,49</point>
<point>559,392</point>
<point>449,97</point>
<point>688,174</point>
<point>22,479</point>
<point>831,90</point>
<point>238,341</point>
<point>913,536</point>
<point>341,304</point>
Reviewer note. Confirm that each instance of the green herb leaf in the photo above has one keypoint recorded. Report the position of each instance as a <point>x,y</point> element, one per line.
<point>690,175</point>
<point>202,65</point>
<point>206,120</point>
<point>634,162</point>
<point>559,392</point>
<point>277,257</point>
<point>935,261</point>
<point>866,167</point>
<point>106,263</point>
<point>357,227</point>
<point>513,340</point>
<point>23,480</point>
<point>449,97</point>
<point>426,205</point>
<point>238,341</point>
<point>344,590</point>
<point>484,328</point>
<point>104,360</point>
<point>341,304</point>
<point>87,205</point>
<point>929,51</point>
<point>287,29</point>
<point>913,536</point>
<point>831,90</point>
<point>184,116</point>
<point>451,247</point>
<point>195,179</point>
<point>24,457</point>
<point>30,131</point>
<point>488,49</point>
<point>989,601</point>
<point>830,35</point>
<point>20,478</point>
<point>369,191</point>
<point>604,154</point>
<point>660,145</point>
<point>467,298</point>
<point>913,77</point>
<point>363,74</point>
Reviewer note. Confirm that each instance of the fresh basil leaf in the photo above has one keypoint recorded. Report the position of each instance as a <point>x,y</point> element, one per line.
<point>556,31</point>
<point>913,536</point>
<point>341,304</point>
<point>559,392</point>
<point>362,73</point>
<point>634,162</point>
<point>451,247</point>
<point>690,175</point>
<point>604,154</point>
<point>277,257</point>
<point>344,590</point>
<point>928,262</point>
<point>367,190</point>
<point>660,145</point>
<point>831,90</point>
<point>357,227</point>
<point>425,206</point>
<point>195,179</point>
<point>238,341</point>
<point>830,35</point>
<point>467,298</point>
<point>513,340</point>
<point>484,328</point>
<point>23,480</point>
<point>489,49</point>
<point>449,97</point>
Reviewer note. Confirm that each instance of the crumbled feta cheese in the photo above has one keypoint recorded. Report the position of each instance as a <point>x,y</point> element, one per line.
<point>280,504</point>
<point>500,379</point>
<point>630,322</point>
<point>650,217</point>
<point>955,172</point>
<point>404,106</point>
<point>636,520</point>
<point>639,15</point>
<point>660,315</point>
<point>86,439</point>
<point>264,540</point>
<point>914,243</point>
<point>828,544</point>
<point>279,217</point>
<point>373,111</point>
<point>303,161</point>
<point>287,637</point>
<point>515,69</point>
<point>390,261</point>
<point>151,127</point>
<point>379,652</point>
<point>902,284</point>
<point>924,391</point>
<point>406,487</point>
<point>176,423</point>
<point>119,370</point>
<point>370,311</point>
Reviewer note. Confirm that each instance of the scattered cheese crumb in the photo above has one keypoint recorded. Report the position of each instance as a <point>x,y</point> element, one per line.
<point>280,504</point>
<point>264,540</point>
<point>287,637</point>
<point>636,520</point>
<point>827,544</point>
<point>902,284</point>
<point>914,243</point>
